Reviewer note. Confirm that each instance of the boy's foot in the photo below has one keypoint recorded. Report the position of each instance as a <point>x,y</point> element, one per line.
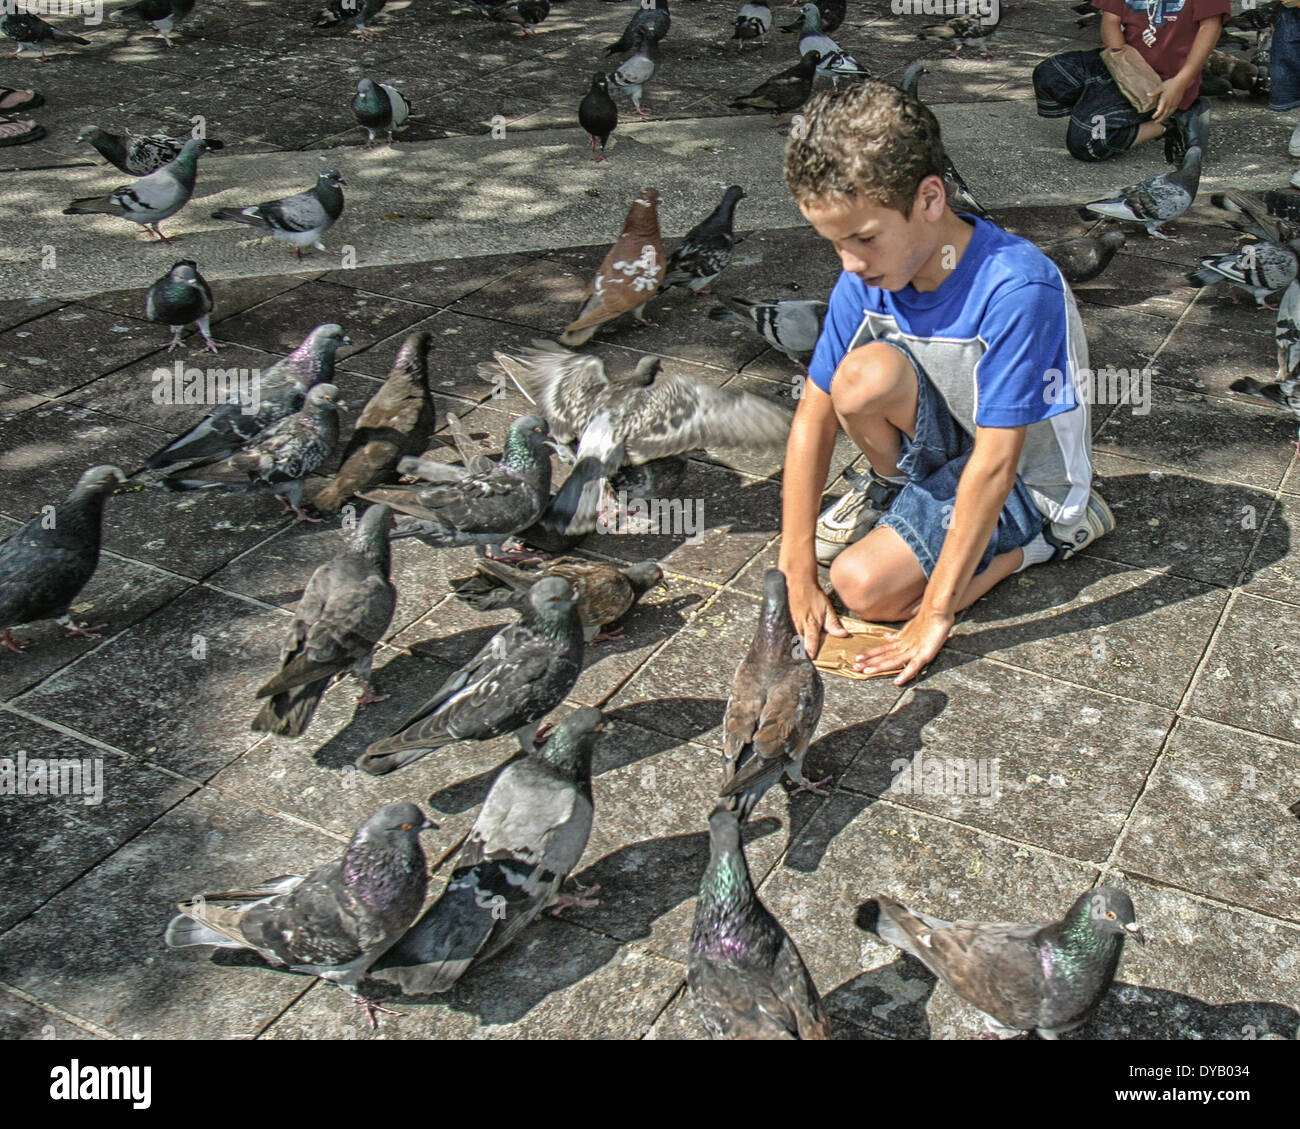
<point>1293,146</point>
<point>1186,128</point>
<point>1096,522</point>
<point>853,516</point>
<point>20,132</point>
<point>16,101</point>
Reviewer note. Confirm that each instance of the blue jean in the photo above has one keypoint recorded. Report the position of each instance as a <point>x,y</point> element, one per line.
<point>1284,61</point>
<point>932,462</point>
<point>1103,123</point>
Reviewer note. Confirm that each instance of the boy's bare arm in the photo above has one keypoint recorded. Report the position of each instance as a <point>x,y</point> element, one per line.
<point>1112,31</point>
<point>985,484</point>
<point>807,463</point>
<point>1171,91</point>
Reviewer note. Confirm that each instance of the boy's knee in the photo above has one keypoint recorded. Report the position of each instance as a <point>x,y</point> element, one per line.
<point>868,376</point>
<point>867,593</point>
<point>1083,146</point>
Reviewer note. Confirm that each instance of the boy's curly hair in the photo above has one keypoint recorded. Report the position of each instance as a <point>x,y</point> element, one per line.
<point>867,139</point>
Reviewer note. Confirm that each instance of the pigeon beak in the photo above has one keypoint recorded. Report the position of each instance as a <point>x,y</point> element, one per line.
<point>428,825</point>
<point>1135,930</point>
<point>552,444</point>
<point>342,405</point>
<point>345,340</point>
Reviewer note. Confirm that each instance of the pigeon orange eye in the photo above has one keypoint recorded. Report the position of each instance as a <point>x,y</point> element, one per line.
<point>1110,916</point>
<point>406,827</point>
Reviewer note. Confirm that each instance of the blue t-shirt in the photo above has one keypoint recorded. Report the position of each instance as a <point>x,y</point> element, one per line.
<point>1001,341</point>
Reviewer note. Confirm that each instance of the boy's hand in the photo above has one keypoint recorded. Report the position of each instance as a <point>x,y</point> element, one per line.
<point>1170,93</point>
<point>912,647</point>
<point>813,615</point>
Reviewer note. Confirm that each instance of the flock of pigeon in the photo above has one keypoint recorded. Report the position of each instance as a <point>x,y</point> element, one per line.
<point>359,918</point>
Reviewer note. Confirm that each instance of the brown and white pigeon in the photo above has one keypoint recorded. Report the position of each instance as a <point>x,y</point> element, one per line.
<point>528,838</point>
<point>630,275</point>
<point>746,977</point>
<point>1046,978</point>
<point>396,422</point>
<point>343,613</point>
<point>776,702</point>
<point>964,31</point>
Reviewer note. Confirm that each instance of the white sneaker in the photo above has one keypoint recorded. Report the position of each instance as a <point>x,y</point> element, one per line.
<point>852,517</point>
<point>1293,146</point>
<point>1097,521</point>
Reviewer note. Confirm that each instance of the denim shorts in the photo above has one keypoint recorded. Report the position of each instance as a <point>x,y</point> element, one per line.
<point>1284,61</point>
<point>932,462</point>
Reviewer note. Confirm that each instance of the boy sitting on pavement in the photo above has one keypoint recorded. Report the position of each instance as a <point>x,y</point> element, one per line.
<point>951,355</point>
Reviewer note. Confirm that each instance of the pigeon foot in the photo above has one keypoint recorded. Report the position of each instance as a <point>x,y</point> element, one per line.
<point>813,786</point>
<point>373,1009</point>
<point>15,645</point>
<point>582,899</point>
<point>368,696</point>
<point>606,636</point>
<point>84,631</point>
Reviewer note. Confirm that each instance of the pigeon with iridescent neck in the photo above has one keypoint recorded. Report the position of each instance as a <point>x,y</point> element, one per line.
<point>1155,201</point>
<point>299,220</point>
<point>706,249</point>
<point>379,107</point>
<point>746,977</point>
<point>182,296</point>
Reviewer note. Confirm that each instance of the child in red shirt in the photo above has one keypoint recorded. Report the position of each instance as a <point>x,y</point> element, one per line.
<point>1175,37</point>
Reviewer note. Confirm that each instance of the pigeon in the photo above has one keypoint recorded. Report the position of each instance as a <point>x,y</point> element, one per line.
<point>32,31</point>
<point>281,392</point>
<point>631,418</point>
<point>636,70</point>
<point>791,325</point>
<point>137,155</point>
<point>1157,200</point>
<point>526,13</point>
<point>1256,18</point>
<point>629,276</point>
<point>746,977</point>
<point>783,92</point>
<point>279,457</point>
<point>964,31</point>
<point>605,591</point>
<point>521,674</point>
<point>1285,392</point>
<point>51,559</point>
<point>379,107</point>
<point>1084,258</point>
<point>960,198</point>
<point>181,296</point>
<point>164,15</point>
<point>528,838</point>
<point>1261,268</point>
<point>334,922</point>
<point>1278,220</point>
<point>775,704</point>
<point>354,12</point>
<point>706,249</point>
<point>832,13</point>
<point>651,18</point>
<point>479,507</point>
<point>152,198</point>
<point>835,63</point>
<point>396,422</point>
<point>342,614</point>
<point>300,219</point>
<point>1044,977</point>
<point>598,114</point>
<point>753,22</point>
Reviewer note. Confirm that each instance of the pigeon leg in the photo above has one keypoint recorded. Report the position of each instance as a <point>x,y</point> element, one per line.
<point>15,645</point>
<point>580,900</point>
<point>175,342</point>
<point>600,156</point>
<point>299,514</point>
<point>368,695</point>
<point>209,346</point>
<point>366,33</point>
<point>1156,233</point>
<point>803,784</point>
<point>605,636</point>
<point>82,630</point>
<point>373,1009</point>
<point>326,251</point>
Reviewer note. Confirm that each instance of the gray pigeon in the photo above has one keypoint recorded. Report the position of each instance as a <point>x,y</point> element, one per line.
<point>791,325</point>
<point>776,702</point>
<point>342,614</point>
<point>334,922</point>
<point>163,15</point>
<point>753,21</point>
<point>181,296</point>
<point>379,107</point>
<point>1285,392</point>
<point>28,30</point>
<point>636,70</point>
<point>960,197</point>
<point>1084,258</point>
<point>651,19</point>
<point>706,249</point>
<point>834,62</point>
<point>1260,268</point>
<point>301,219</point>
<point>746,977</point>
<point>521,674</point>
<point>598,114</point>
<point>137,154</point>
<point>783,92</point>
<point>1046,978</point>
<point>279,457</point>
<point>281,392</point>
<point>339,13</point>
<point>50,559</point>
<point>396,423</point>
<point>153,198</point>
<point>631,418</point>
<point>525,14</point>
<point>528,838</point>
<point>484,507</point>
<point>1157,200</point>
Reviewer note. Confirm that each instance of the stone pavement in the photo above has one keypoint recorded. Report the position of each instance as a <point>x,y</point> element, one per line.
<point>1136,703</point>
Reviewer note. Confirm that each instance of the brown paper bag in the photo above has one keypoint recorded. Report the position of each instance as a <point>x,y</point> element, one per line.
<point>837,655</point>
<point>1133,75</point>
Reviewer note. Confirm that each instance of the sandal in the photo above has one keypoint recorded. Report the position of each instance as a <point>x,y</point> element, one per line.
<point>26,100</point>
<point>20,132</point>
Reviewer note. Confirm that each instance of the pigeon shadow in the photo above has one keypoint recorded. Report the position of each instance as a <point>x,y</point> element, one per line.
<point>692,717</point>
<point>889,1002</point>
